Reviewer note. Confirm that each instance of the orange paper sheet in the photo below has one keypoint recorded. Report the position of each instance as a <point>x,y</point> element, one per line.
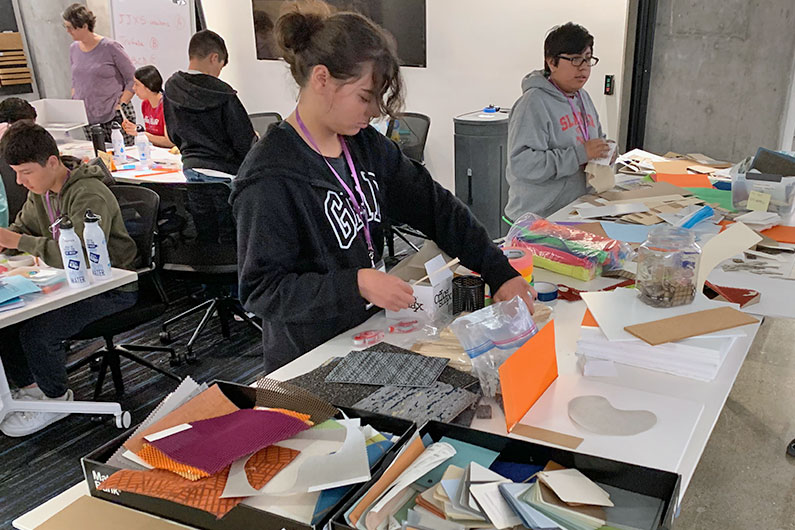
<point>782,234</point>
<point>684,180</point>
<point>526,374</point>
<point>204,494</point>
<point>209,404</point>
<point>588,321</point>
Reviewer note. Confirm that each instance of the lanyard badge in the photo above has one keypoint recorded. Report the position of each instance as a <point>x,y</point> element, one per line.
<point>359,207</point>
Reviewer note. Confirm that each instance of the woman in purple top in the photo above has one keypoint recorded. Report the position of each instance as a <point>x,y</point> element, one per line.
<point>102,72</point>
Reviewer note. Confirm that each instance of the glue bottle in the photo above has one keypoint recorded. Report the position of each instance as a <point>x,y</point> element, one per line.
<point>144,148</point>
<point>119,154</point>
<point>74,263</point>
<point>96,247</point>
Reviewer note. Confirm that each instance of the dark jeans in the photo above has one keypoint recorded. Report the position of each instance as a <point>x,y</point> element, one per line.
<point>210,208</point>
<point>33,350</point>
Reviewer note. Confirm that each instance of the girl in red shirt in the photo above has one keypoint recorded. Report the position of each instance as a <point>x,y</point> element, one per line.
<point>148,86</point>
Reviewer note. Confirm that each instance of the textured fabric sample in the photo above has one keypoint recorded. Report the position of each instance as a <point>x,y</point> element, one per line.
<point>387,368</point>
<point>203,494</point>
<point>209,404</point>
<point>159,460</point>
<point>280,395</point>
<point>440,402</point>
<point>213,444</point>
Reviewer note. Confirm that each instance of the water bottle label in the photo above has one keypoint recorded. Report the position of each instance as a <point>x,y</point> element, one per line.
<point>94,258</point>
<point>91,245</point>
<point>74,264</point>
<point>70,252</point>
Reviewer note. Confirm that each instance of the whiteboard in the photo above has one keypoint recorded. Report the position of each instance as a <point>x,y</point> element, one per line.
<point>154,32</point>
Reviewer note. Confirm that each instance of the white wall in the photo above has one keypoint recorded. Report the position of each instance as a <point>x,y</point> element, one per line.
<point>478,53</point>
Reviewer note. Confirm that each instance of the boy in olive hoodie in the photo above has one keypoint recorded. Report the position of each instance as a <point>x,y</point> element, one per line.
<point>32,352</point>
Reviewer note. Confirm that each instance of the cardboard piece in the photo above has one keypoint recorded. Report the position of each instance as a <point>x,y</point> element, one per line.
<point>611,210</point>
<point>685,180</point>
<point>658,189</point>
<point>89,513</point>
<point>690,325</point>
<point>600,177</point>
<point>545,435</point>
<point>672,166</point>
<point>526,374</point>
<point>723,246</point>
<point>594,228</point>
<point>734,295</point>
<point>433,297</point>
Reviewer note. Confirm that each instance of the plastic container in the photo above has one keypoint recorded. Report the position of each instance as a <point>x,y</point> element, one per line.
<point>667,267</point>
<point>144,149</point>
<point>96,247</point>
<point>74,263</point>
<point>117,139</point>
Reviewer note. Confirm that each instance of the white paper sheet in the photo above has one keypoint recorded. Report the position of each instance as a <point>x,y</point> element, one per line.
<point>660,447</point>
<point>728,243</point>
<point>495,506</point>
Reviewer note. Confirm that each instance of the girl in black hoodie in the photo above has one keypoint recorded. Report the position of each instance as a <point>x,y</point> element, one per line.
<point>310,197</point>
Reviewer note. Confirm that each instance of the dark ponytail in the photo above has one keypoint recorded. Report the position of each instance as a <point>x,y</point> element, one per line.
<point>343,43</point>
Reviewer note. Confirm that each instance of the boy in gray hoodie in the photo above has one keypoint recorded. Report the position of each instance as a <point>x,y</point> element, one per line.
<point>554,129</point>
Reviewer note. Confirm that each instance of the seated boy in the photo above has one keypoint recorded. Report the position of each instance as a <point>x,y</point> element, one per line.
<point>32,352</point>
<point>12,110</point>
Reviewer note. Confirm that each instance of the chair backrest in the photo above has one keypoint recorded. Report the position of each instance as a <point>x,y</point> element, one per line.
<point>139,207</point>
<point>263,121</point>
<point>197,229</point>
<point>410,131</point>
<point>16,195</point>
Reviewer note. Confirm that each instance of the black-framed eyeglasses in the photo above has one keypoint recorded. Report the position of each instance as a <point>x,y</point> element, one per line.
<point>579,61</point>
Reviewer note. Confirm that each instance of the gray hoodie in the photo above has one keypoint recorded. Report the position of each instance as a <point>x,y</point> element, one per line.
<point>546,152</point>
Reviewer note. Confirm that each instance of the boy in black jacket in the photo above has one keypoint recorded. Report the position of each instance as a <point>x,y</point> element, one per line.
<point>311,196</point>
<point>204,117</point>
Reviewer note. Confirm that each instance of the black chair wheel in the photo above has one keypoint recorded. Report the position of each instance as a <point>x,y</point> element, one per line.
<point>94,364</point>
<point>190,357</point>
<point>165,337</point>
<point>175,361</point>
<point>791,448</point>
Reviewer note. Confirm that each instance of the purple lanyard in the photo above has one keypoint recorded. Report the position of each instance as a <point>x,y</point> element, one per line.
<point>355,203</point>
<point>56,232</point>
<point>581,124</point>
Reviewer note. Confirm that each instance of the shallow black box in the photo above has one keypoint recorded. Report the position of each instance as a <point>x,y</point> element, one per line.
<point>653,482</point>
<point>241,517</point>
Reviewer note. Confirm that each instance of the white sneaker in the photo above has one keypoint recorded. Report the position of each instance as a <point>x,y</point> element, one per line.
<point>25,423</point>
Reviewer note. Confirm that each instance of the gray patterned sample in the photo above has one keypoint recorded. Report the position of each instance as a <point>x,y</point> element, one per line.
<point>387,368</point>
<point>440,402</point>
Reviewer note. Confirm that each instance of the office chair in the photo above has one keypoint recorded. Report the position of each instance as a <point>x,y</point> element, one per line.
<point>139,207</point>
<point>16,195</point>
<point>204,249</point>
<point>263,121</point>
<point>410,132</point>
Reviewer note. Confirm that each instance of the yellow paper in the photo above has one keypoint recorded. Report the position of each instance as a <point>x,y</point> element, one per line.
<point>758,201</point>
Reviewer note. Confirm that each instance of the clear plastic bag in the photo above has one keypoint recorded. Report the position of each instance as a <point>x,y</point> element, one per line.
<point>567,250</point>
<point>491,335</point>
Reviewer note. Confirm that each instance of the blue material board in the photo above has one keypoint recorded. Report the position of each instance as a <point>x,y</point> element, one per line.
<point>626,232</point>
<point>16,286</point>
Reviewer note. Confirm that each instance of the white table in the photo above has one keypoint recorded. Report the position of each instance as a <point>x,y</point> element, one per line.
<point>39,304</point>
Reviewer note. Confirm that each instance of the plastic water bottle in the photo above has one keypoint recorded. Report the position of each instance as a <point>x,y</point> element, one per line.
<point>72,254</point>
<point>96,247</point>
<point>119,154</point>
<point>144,148</point>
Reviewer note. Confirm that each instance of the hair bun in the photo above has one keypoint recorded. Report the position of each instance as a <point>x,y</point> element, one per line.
<point>294,30</point>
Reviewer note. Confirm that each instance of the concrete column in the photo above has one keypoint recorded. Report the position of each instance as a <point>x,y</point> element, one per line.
<point>721,76</point>
<point>48,43</point>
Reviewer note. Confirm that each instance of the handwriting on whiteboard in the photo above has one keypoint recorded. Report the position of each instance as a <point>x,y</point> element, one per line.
<point>142,50</point>
<point>125,19</point>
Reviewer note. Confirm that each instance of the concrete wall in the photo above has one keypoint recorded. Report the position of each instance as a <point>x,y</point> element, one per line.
<point>721,76</point>
<point>48,44</point>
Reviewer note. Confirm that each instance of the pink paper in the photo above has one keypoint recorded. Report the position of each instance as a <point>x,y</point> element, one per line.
<point>213,444</point>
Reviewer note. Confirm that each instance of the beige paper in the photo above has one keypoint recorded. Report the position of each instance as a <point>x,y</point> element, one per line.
<point>723,246</point>
<point>545,435</point>
<point>572,487</point>
<point>690,325</point>
<point>600,178</point>
<point>89,513</point>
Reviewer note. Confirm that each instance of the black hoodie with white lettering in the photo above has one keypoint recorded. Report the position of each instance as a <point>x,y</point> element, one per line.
<point>301,245</point>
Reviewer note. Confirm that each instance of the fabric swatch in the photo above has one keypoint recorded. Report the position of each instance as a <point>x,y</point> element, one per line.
<point>209,404</point>
<point>213,444</point>
<point>387,368</point>
<point>281,395</point>
<point>205,493</point>
<point>159,460</point>
<point>440,402</point>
